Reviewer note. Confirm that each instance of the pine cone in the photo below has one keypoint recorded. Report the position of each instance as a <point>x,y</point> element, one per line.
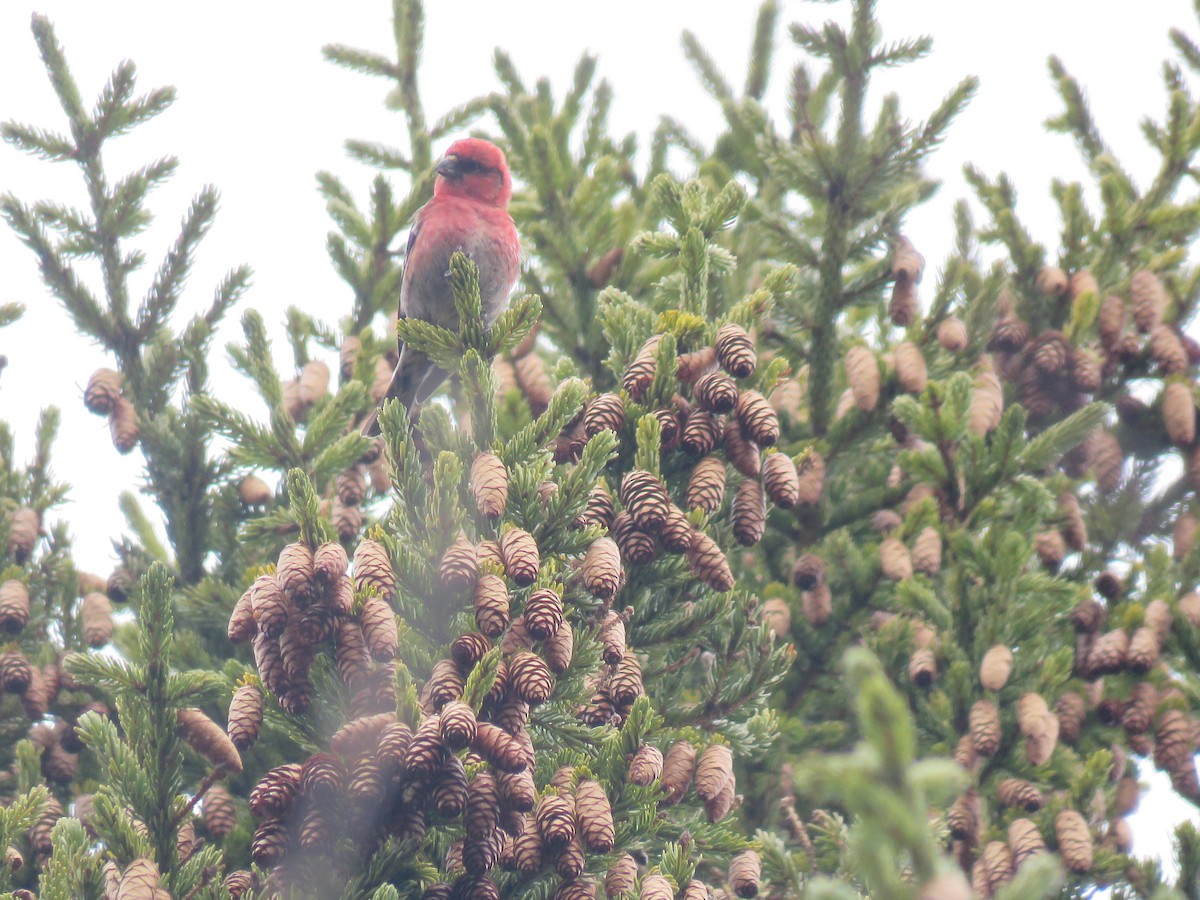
<point>530,678</point>
<point>984,723</point>
<point>1148,300</point>
<point>922,667</point>
<point>595,816</point>
<point>1110,322</point>
<point>1167,350</point>
<point>489,485</point>
<point>604,412</point>
<point>1143,651</point>
<point>639,374</point>
<point>1074,841</point>
<point>716,392</point>
<point>329,563</point>
<point>894,560</point>
<point>1052,281</point>
<point>904,306</point>
<point>1138,715</point>
<point>748,513</point>
<point>599,510</point>
<point>1051,548</point>
<point>245,716</point>
<point>637,546</point>
<point>708,562</point>
<point>270,842</point>
<point>533,381</point>
<point>668,428</point>
<point>706,486</point>
<point>808,572</point>
<point>700,433</point>
<point>1024,840</point>
<point>952,334</point>
<point>1179,413</point>
<point>519,551</point>
<point>601,569</point>
<point>996,667</point>
<point>23,530</point>
<point>1009,335</point>
<point>555,820</point>
<point>373,570</point>
<point>745,873</point>
<point>645,498</point>
<point>207,738</point>
<point>740,449</point>
<point>997,864</point>
<point>220,812</point>
<point>713,771</point>
<point>1087,373</point>
<point>625,684</point>
<point>987,403</point>
<point>1157,618</point>
<point>445,683</point>
<point>559,647</point>
<point>459,567</point>
<point>910,367</point>
<point>963,817</point>
<point>1019,793</point>
<point>621,877</point>
<point>676,532</point>
<point>14,607</point>
<point>102,392</point>
<point>646,766</point>
<point>817,605</point>
<point>692,365</point>
<point>490,600</point>
<point>1108,653</point>
<point>781,480</point>
<point>351,486</point>
<point>758,418</point>
<point>927,551</point>
<point>379,629</point>
<point>735,350</point>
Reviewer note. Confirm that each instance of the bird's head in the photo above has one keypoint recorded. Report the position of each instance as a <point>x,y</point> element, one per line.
<point>475,169</point>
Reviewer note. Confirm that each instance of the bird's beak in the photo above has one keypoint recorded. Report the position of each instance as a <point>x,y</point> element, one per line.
<point>448,167</point>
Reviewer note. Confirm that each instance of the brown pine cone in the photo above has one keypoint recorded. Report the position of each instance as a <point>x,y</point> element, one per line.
<point>96,618</point>
<point>987,403</point>
<point>1108,653</point>
<point>555,820</point>
<point>559,647</point>
<point>621,877</point>
<point>599,510</point>
<point>445,684</point>
<point>351,486</point>
<point>425,751</point>
<point>952,334</point>
<point>459,568</point>
<point>922,667</point>
<point>781,480</point>
<point>716,392</point>
<point>927,551</point>
<point>530,678</point>
<point>543,614</point>
<point>894,560</point>
<point>527,849</point>
<point>295,571</point>
<point>270,605</point>
<point>604,412</point>
<point>645,498</point>
<point>1110,322</point>
<point>1086,370</point>
<point>1074,841</point>
<point>984,726</point>
<point>1009,335</point>
<point>676,531</point>
<point>676,771</point>
<point>601,569</point>
<point>745,873</point>
<point>907,263</point>
<point>1148,300</point>
<point>245,716</point>
<point>735,350</point>
<point>14,607</point>
<point>748,513</point>
<point>812,479</point>
<point>646,766</point>
<point>1019,793</point>
<point>668,428</point>
<point>808,572</point>
<point>656,887</point>
<point>708,562</point>
<point>706,486</point>
<point>533,381</point>
<point>482,814</point>
<point>911,371</point>
<point>625,684</point>
<point>817,605</point>
<point>270,842</point>
<point>713,771</point>
<point>379,629</point>
<point>207,738</point>
<point>499,748</point>
<point>123,425</point>
<point>758,418</point>
<point>701,431</point>
<point>639,374</point>
<point>637,546</point>
<point>103,391</point>
<point>903,307</point>
<point>1143,651</point>
<point>1024,840</point>
<point>490,600</point>
<point>489,485</point>
<point>740,449</point>
<point>1052,281</point>
<point>996,667</point>
<point>997,865</point>
<point>219,811</point>
<point>373,570</point>
<point>963,816</point>
<point>329,563</point>
<point>1179,413</point>
<point>1071,711</point>
<point>692,365</point>
<point>392,747</point>
<point>1167,350</point>
<point>595,816</point>
<point>862,374</point>
<point>519,551</point>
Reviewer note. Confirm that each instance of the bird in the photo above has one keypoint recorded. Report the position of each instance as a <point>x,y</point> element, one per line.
<point>468,212</point>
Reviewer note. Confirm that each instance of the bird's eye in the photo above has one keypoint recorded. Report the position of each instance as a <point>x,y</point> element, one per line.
<point>470,166</point>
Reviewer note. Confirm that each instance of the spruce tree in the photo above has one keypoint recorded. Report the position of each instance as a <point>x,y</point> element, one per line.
<point>739,555</point>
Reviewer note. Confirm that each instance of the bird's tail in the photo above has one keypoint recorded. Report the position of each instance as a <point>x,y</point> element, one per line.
<point>411,370</point>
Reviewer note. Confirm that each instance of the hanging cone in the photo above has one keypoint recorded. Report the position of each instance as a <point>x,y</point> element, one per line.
<point>646,766</point>
<point>639,375</point>
<point>1148,300</point>
<point>605,412</point>
<point>1138,715</point>
<point>676,532</point>
<point>294,571</point>
<point>1019,793</point>
<point>1009,335</point>
<point>984,724</point>
<point>373,569</point>
<point>530,678</point>
<point>1110,322</point>
<point>987,403</point>
<point>621,877</point>
<point>489,485</point>
<point>903,307</point>
<point>1167,350</point>
<point>1143,652</point>
<point>103,391</point>
<point>963,816</point>
<point>558,648</point>
<point>716,392</point>
<point>706,487</point>
<point>1051,281</point>
<point>533,381</point>
<point>656,887</point>
<point>922,667</point>
<point>812,479</point>
<point>1074,841</point>
<point>700,433</point>
<point>1107,655</point>
<point>778,617</point>
<point>668,428</point>
<point>595,816</point>
<point>1072,526</point>
<point>1105,457</point>
<point>555,820</point>
<point>379,629</point>
<point>1051,548</point>
<point>1087,373</point>
<point>459,568</point>
<point>1024,840</point>
<point>351,486</point>
<point>207,738</point>
<point>748,513</point>
<point>708,562</point>
<point>996,666</point>
<point>1179,413</point>
<point>270,842</point>
<point>1158,618</point>
<point>329,563</point>
<point>625,684</point>
<point>601,569</point>
<point>676,772</point>
<point>543,614</point>
<point>781,480</point>
<point>645,498</point>
<point>519,551</point>
<point>254,491</point>
<point>314,382</point>
<point>692,365</point>
<point>910,367</point>
<point>817,605</point>
<point>1081,283</point>
<point>599,510</point>
<point>740,449</point>
<point>612,638</point>
<point>927,551</point>
<point>245,716</point>
<point>745,873</point>
<point>997,864</point>
<point>14,607</point>
<point>758,418</point>
<point>862,374</point>
<point>713,771</point>
<point>808,572</point>
<point>894,560</point>
<point>952,334</point>
<point>735,350</point>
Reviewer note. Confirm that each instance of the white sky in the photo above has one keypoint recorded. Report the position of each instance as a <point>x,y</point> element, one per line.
<point>259,113</point>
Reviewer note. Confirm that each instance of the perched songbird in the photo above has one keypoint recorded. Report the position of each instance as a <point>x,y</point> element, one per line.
<point>468,212</point>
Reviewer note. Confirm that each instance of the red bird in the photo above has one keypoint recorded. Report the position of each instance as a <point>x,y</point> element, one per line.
<point>468,212</point>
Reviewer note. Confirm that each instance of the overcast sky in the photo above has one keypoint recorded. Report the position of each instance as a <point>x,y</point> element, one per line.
<point>259,113</point>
